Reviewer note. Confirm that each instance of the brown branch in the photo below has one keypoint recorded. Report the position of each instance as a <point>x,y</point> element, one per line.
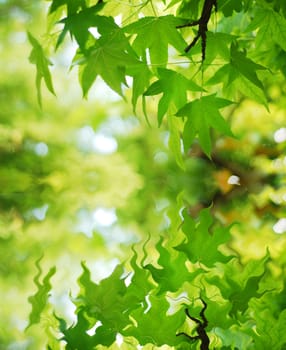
<point>202,22</point>
<point>200,329</point>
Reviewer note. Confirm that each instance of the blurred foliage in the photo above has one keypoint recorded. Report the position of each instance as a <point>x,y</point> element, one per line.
<point>55,180</point>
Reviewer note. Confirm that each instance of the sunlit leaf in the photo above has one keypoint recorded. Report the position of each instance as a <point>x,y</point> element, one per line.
<point>174,87</point>
<point>39,59</point>
<point>149,327</point>
<point>240,288</point>
<point>202,244</point>
<point>172,272</point>
<point>271,28</point>
<point>72,5</point>
<point>166,34</point>
<point>175,140</point>
<point>203,114</point>
<point>108,58</point>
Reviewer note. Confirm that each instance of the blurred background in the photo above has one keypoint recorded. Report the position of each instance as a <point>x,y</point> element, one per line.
<point>85,180</point>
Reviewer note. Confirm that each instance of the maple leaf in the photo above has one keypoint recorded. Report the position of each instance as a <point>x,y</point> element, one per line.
<point>202,245</point>
<point>240,286</point>
<point>108,58</point>
<point>106,307</point>
<point>78,25</point>
<point>271,28</point>
<point>227,7</point>
<point>245,66</point>
<point>72,5</point>
<point>217,46</point>
<point>173,272</point>
<point>240,72</point>
<point>39,59</point>
<point>174,87</point>
<point>239,65</point>
<point>75,336</point>
<point>203,114</point>
<point>155,34</point>
<point>155,326</point>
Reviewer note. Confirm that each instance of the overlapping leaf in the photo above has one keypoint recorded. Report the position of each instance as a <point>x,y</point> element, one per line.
<point>174,87</point>
<point>104,301</point>
<point>140,285</point>
<point>270,332</point>
<point>227,7</point>
<point>78,25</point>
<point>154,325</point>
<point>201,243</point>
<point>241,70</point>
<point>72,6</point>
<point>240,286</point>
<point>202,115</point>
<point>155,34</point>
<point>173,272</point>
<point>75,336</point>
<point>108,58</point>
<point>271,28</point>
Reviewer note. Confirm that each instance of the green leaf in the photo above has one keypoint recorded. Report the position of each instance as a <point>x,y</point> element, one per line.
<point>155,34</point>
<point>154,325</point>
<point>245,66</point>
<point>270,332</point>
<point>104,302</point>
<point>141,77</point>
<point>271,28</point>
<point>217,47</point>
<point>201,244</point>
<point>75,336</point>
<point>107,308</point>
<point>109,58</point>
<point>203,114</point>
<point>239,285</point>
<point>188,9</point>
<point>173,273</point>
<point>226,75</point>
<point>140,285</point>
<point>227,7</point>
<point>72,6</point>
<point>234,338</point>
<point>40,298</point>
<point>175,140</point>
<point>250,90</point>
<point>39,59</point>
<point>233,80</point>
<point>78,26</point>
<point>174,87</point>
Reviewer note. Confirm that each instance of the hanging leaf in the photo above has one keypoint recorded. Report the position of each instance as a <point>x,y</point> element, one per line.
<point>202,115</point>
<point>156,34</point>
<point>271,28</point>
<point>108,58</point>
<point>174,87</point>
<point>42,63</point>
